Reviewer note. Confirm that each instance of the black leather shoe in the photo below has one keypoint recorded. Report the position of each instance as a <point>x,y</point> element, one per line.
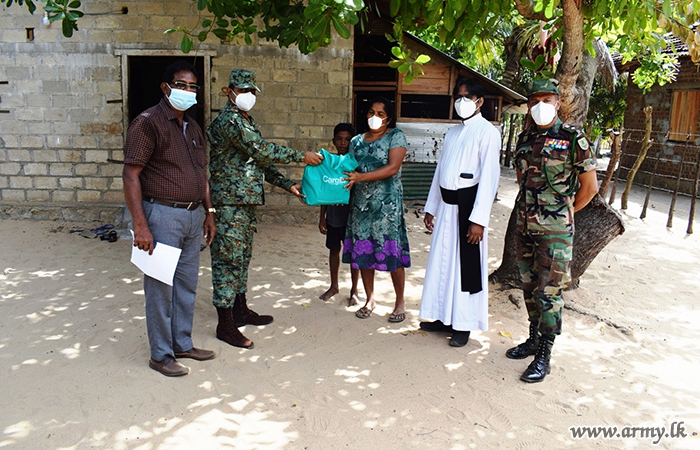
<point>169,367</point>
<point>539,367</point>
<point>459,338</point>
<point>197,354</point>
<point>435,326</point>
<point>527,348</point>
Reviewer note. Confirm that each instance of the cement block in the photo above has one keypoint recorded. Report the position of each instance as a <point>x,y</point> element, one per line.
<point>84,142</point>
<point>38,100</point>
<point>100,36</point>
<point>98,184</point>
<point>36,169</point>
<point>21,182</point>
<point>34,195</point>
<point>31,141</point>
<point>111,169</point>
<point>54,87</point>
<point>339,78</point>
<point>284,76</point>
<point>63,196</point>
<point>70,183</point>
<point>114,141</point>
<point>45,183</point>
<point>19,155</point>
<point>99,156</point>
<point>44,156</point>
<point>59,169</point>
<point>70,156</point>
<point>114,197</point>
<point>89,196</point>
<point>10,168</point>
<point>13,195</point>
<point>115,184</point>
<point>86,170</point>
<point>312,132</point>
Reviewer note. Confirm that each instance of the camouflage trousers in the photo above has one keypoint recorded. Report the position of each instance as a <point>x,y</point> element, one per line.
<point>544,262</point>
<point>231,251</point>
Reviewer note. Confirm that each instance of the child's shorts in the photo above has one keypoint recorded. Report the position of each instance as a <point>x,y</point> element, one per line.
<point>334,237</point>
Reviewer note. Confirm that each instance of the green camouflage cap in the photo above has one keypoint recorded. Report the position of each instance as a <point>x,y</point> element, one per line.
<point>545,85</point>
<point>243,79</point>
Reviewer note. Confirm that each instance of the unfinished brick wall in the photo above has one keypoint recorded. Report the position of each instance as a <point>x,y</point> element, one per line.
<point>62,115</point>
<point>669,152</point>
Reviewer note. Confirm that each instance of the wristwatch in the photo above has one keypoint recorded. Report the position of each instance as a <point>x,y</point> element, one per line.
<point>211,210</point>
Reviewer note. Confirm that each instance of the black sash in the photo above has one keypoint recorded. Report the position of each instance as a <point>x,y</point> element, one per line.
<point>469,254</point>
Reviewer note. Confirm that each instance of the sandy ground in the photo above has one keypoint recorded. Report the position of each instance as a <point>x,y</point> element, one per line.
<point>74,353</point>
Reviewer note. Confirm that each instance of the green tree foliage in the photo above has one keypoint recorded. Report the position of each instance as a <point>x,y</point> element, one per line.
<point>606,108</point>
<point>633,27</point>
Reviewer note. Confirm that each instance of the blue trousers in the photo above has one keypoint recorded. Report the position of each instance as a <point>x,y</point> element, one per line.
<point>170,309</point>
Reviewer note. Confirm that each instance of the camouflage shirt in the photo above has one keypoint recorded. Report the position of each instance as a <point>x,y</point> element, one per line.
<point>240,160</point>
<point>541,209</point>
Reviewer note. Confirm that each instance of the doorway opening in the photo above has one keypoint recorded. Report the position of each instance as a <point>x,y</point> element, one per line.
<point>144,77</point>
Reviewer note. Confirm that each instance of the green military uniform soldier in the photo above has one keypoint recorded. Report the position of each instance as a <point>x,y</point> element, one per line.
<point>240,162</point>
<point>552,158</point>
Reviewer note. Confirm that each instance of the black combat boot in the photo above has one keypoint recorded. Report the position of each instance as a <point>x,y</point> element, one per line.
<point>527,348</point>
<point>539,367</point>
<point>244,316</point>
<point>227,331</point>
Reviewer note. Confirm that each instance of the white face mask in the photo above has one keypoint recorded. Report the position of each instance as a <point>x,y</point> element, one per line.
<point>465,107</point>
<point>182,100</point>
<point>245,101</point>
<point>543,113</point>
<point>375,122</point>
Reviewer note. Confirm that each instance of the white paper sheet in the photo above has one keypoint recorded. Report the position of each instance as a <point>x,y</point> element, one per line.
<point>160,265</point>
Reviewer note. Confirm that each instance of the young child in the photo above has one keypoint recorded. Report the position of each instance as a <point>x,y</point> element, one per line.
<point>332,223</point>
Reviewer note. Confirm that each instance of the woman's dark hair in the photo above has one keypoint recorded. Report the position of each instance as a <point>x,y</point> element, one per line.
<point>474,87</point>
<point>176,67</point>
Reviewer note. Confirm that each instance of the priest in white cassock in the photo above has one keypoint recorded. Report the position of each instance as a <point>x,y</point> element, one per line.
<point>455,292</point>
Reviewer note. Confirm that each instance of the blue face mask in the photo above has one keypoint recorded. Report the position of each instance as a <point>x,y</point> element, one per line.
<point>182,100</point>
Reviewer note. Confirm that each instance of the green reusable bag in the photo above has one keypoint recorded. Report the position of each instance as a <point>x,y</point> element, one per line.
<point>324,184</point>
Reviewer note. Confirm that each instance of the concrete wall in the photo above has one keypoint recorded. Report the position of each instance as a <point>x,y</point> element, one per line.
<point>62,116</point>
<point>670,152</point>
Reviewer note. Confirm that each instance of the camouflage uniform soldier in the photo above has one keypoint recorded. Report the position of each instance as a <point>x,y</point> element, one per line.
<point>551,159</point>
<point>240,162</point>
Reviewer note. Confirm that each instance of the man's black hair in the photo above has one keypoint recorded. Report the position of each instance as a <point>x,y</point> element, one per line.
<point>474,87</point>
<point>176,67</point>
<point>343,127</point>
<point>388,106</point>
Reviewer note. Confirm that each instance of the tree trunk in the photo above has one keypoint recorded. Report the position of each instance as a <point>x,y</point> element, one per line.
<point>596,225</point>
<point>509,147</point>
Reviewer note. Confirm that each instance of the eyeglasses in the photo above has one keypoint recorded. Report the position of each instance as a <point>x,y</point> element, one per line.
<point>185,86</point>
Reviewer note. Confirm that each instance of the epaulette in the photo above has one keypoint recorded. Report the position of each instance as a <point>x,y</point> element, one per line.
<point>572,128</point>
<point>578,133</point>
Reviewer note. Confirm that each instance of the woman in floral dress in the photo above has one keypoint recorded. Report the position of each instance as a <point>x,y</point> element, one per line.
<point>376,237</point>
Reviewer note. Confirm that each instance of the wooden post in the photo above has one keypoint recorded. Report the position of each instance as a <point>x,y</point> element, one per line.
<point>651,184</point>
<point>640,158</point>
<point>617,174</point>
<point>691,217</point>
<point>669,224</point>
<point>616,137</point>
